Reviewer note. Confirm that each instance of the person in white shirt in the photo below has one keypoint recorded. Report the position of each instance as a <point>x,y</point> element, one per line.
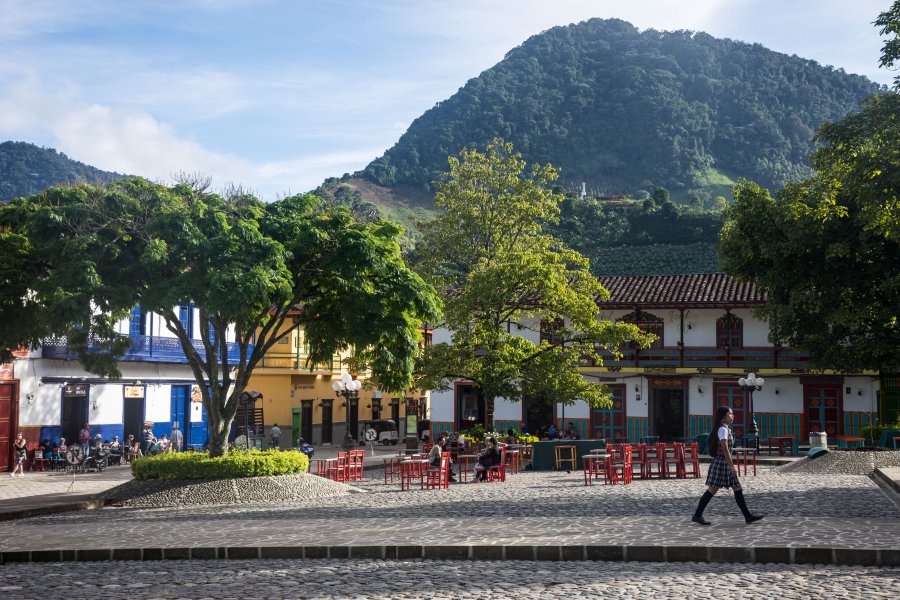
<point>176,439</point>
<point>275,432</point>
<point>722,471</point>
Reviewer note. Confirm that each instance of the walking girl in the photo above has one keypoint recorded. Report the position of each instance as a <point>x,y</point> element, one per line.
<point>722,471</point>
<point>21,448</point>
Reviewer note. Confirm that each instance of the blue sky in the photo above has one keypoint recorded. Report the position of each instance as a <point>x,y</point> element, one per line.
<point>278,95</point>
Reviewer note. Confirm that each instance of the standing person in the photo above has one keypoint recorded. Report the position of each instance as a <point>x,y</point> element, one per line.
<point>722,471</point>
<point>275,432</point>
<point>148,440</point>
<point>176,439</point>
<point>20,446</point>
<point>84,438</point>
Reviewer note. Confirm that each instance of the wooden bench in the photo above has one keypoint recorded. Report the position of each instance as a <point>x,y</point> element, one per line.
<point>850,441</point>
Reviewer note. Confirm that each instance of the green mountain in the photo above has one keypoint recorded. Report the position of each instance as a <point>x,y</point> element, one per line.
<point>625,111</point>
<point>26,169</point>
<point>657,125</point>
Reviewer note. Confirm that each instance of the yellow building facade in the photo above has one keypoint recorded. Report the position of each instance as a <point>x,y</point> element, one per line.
<point>298,397</point>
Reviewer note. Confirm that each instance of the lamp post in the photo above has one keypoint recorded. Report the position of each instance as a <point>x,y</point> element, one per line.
<point>348,389</point>
<point>752,383</point>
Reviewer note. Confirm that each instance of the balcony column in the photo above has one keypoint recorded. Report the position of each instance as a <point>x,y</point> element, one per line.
<point>681,339</point>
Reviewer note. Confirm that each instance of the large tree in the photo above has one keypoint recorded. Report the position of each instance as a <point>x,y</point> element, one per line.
<point>255,272</point>
<point>827,249</point>
<point>498,271</point>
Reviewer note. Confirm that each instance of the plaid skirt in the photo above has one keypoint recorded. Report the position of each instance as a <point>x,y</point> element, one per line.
<point>719,475</point>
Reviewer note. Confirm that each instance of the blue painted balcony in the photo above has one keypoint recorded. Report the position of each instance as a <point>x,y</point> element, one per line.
<point>739,358</point>
<point>144,348</point>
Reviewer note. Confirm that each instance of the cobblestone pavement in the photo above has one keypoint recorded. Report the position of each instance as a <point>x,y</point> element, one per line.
<point>440,579</point>
<point>38,483</point>
<point>530,508</point>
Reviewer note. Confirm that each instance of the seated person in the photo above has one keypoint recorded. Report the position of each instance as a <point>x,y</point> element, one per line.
<point>510,437</point>
<point>163,443</point>
<point>488,457</point>
<point>434,456</point>
<point>46,450</point>
<point>115,451</point>
<point>96,443</point>
<point>552,432</point>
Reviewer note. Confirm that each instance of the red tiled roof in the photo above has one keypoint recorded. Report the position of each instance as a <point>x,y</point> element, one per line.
<point>697,289</point>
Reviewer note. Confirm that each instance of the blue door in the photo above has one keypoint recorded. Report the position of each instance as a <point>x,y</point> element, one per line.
<point>183,411</point>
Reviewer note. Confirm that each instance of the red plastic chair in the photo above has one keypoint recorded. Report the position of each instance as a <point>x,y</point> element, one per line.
<point>337,471</point>
<point>38,462</point>
<point>641,462</point>
<point>618,467</point>
<point>355,465</point>
<point>498,472</point>
<point>676,460</point>
<point>439,477</point>
<point>655,457</point>
<point>426,447</point>
<point>692,460</point>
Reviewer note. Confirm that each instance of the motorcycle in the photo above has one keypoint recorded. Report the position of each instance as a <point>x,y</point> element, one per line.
<point>97,459</point>
<point>305,448</point>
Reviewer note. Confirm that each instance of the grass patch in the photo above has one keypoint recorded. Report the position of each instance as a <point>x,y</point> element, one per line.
<point>198,465</point>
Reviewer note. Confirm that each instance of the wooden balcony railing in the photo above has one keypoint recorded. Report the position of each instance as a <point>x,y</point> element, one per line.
<point>695,357</point>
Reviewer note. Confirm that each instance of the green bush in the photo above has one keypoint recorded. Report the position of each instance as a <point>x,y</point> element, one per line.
<point>238,463</point>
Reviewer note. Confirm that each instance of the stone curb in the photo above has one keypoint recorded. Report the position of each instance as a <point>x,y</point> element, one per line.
<point>89,503</point>
<point>887,479</point>
<point>617,553</point>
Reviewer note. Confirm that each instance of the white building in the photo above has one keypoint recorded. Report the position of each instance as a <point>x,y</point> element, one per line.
<point>708,338</point>
<point>45,393</point>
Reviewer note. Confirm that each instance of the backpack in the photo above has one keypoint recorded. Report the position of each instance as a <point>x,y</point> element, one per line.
<point>712,444</point>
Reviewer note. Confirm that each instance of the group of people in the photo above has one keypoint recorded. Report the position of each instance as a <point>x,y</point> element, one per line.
<point>153,445</point>
<point>552,432</point>
<point>488,457</point>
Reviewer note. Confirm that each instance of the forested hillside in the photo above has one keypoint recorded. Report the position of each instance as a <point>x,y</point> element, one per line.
<point>26,169</point>
<point>626,111</point>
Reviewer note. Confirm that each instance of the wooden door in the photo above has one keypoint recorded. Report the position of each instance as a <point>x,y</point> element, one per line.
<point>822,407</point>
<point>733,395</point>
<point>609,423</point>
<point>8,401</point>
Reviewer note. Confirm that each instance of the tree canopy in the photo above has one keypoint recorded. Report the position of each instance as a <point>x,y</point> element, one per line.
<point>90,254</point>
<point>498,271</point>
<point>827,249</point>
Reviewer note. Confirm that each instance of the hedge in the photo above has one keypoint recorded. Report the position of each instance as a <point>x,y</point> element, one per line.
<point>238,463</point>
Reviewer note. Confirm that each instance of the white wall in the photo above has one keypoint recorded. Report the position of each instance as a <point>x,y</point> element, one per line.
<point>158,402</point>
<point>788,399</point>
<point>506,410</point>
<point>441,406</point>
<point>105,404</point>
<point>700,403</point>
<point>635,407</point>
<point>862,394</point>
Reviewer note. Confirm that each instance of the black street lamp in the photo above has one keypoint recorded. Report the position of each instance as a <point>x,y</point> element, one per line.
<point>752,383</point>
<point>348,389</point>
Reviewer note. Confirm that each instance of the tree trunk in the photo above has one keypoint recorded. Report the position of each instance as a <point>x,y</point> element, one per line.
<point>218,434</point>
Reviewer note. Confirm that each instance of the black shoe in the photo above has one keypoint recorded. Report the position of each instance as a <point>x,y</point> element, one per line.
<point>753,518</point>
<point>699,519</point>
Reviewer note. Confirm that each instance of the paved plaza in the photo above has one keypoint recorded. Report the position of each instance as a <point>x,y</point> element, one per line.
<point>549,516</point>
